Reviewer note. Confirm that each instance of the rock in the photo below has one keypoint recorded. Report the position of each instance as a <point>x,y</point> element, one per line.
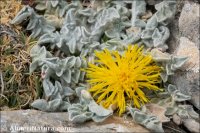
<point>184,41</point>
<point>189,21</point>
<point>176,119</point>
<point>189,49</point>
<point>187,79</point>
<point>192,125</point>
<point>157,111</point>
<point>38,121</point>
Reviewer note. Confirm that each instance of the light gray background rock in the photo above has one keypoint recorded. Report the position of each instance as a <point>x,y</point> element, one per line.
<point>189,21</point>
<point>192,125</point>
<point>184,41</point>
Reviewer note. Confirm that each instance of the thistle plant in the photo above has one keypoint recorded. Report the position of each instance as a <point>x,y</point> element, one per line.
<point>120,79</point>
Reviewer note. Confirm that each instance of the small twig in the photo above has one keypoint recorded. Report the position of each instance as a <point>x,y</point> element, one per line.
<point>172,128</point>
<point>2,83</point>
<point>26,102</point>
<point>1,95</point>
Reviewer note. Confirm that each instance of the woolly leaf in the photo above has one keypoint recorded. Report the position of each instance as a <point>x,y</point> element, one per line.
<point>176,94</point>
<point>98,110</point>
<point>150,122</point>
<point>48,87</point>
<point>40,104</point>
<point>37,24</point>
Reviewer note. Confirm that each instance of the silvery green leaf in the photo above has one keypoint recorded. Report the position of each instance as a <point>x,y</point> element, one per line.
<point>37,23</point>
<point>162,101</point>
<point>36,32</point>
<point>72,45</point>
<point>152,23</point>
<point>71,62</point>
<point>54,104</point>
<point>23,14</point>
<point>54,3</point>
<point>178,62</point>
<point>87,108</point>
<point>184,111</point>
<point>80,118</point>
<point>171,110</point>
<point>165,10</point>
<point>57,6</point>
<point>103,18</point>
<point>38,54</point>
<point>76,75</point>
<point>190,111</point>
<point>45,39</point>
<point>40,7</point>
<point>31,24</point>
<point>141,117</point>
<point>64,106</point>
<point>67,76</point>
<point>67,69</point>
<point>79,89</point>
<point>155,33</point>
<point>40,104</point>
<point>164,77</point>
<point>78,113</point>
<point>52,62</point>
<point>99,110</point>
<point>159,56</point>
<point>57,91</point>
<point>147,33</point>
<point>138,8</point>
<point>150,122</point>
<point>86,12</point>
<point>82,76</point>
<point>46,72</point>
<point>180,97</point>
<point>86,97</point>
<point>67,91</point>
<point>78,62</point>
<point>115,29</point>
<point>160,35</point>
<point>169,62</point>
<point>176,94</point>
<point>171,88</point>
<point>33,66</point>
<point>48,87</point>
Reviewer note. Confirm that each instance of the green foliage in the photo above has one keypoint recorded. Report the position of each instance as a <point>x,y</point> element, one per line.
<point>170,63</point>
<point>87,109</point>
<point>149,121</point>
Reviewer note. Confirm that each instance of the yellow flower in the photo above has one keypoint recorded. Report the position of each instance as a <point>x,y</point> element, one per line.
<point>119,79</point>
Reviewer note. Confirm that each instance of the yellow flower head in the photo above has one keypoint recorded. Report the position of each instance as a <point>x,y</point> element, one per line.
<point>119,79</point>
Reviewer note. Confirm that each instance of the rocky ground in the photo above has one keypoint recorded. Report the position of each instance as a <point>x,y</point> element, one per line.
<point>184,41</point>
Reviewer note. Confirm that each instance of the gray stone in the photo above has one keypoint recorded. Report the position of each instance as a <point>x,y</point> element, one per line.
<point>29,120</point>
<point>176,119</point>
<point>189,49</point>
<point>173,41</point>
<point>192,125</point>
<point>187,79</point>
<point>184,41</point>
<point>189,21</point>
